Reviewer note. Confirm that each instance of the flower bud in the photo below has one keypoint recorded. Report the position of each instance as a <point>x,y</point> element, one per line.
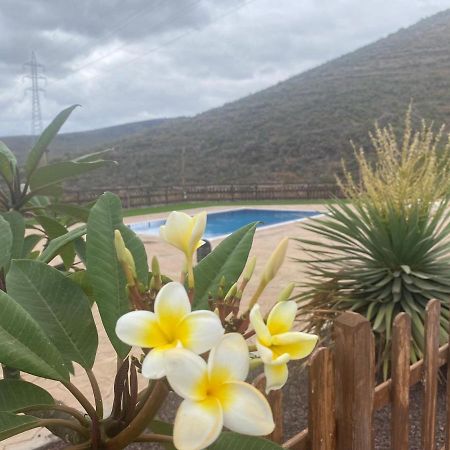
<point>249,269</point>
<point>231,293</point>
<point>275,261</point>
<point>286,293</point>
<point>125,258</point>
<point>155,266</point>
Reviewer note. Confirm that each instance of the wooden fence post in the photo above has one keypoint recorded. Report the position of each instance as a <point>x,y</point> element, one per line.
<point>430,374</point>
<point>355,382</point>
<point>400,361</point>
<point>321,409</point>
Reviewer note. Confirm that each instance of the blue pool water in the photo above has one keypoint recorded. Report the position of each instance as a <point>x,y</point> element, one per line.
<point>225,222</point>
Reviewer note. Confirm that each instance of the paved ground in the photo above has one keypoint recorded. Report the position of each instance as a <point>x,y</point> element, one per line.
<point>170,260</point>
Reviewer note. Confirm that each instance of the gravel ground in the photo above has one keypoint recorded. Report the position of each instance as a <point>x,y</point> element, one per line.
<point>296,414</point>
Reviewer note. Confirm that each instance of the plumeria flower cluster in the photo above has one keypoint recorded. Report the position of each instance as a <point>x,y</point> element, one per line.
<point>204,355</point>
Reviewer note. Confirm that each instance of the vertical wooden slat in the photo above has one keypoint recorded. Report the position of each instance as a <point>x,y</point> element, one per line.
<point>400,360</point>
<point>355,382</point>
<point>430,374</point>
<point>321,410</point>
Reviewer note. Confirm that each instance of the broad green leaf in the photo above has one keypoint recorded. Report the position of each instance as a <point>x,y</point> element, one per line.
<point>137,249</point>
<point>80,277</point>
<point>235,441</point>
<point>60,171</point>
<point>25,346</point>
<point>8,163</point>
<point>6,241</point>
<point>55,245</point>
<point>54,230</point>
<point>228,259</point>
<point>29,243</point>
<point>72,211</point>
<point>44,140</point>
<point>18,394</point>
<point>58,305</point>
<point>17,225</point>
<point>12,424</point>
<point>104,272</point>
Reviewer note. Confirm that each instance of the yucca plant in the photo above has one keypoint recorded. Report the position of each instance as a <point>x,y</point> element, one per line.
<point>387,250</point>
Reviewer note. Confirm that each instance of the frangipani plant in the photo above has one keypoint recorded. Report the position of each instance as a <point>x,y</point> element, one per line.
<point>191,336</point>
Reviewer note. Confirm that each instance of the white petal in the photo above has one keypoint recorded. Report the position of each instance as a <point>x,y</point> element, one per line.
<point>198,230</point>
<point>140,328</point>
<point>276,376</point>
<point>257,321</point>
<point>171,306</point>
<point>297,344</point>
<point>186,373</point>
<point>269,357</point>
<point>197,424</point>
<point>245,409</point>
<point>199,331</point>
<point>282,317</point>
<point>229,360</point>
<point>153,366</point>
<point>178,230</point>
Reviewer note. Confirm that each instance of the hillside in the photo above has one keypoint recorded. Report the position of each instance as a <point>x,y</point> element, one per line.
<point>71,144</point>
<point>298,130</point>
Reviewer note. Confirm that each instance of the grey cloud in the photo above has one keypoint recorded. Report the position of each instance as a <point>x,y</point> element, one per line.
<point>128,60</point>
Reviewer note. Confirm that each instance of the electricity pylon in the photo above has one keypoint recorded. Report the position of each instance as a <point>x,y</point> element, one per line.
<point>35,76</point>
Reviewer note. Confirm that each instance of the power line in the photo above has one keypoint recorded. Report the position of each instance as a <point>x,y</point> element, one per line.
<point>106,55</point>
<point>35,76</point>
<point>119,26</point>
<point>181,36</point>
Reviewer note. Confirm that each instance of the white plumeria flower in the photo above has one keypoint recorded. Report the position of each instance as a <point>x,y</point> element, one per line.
<point>184,232</point>
<point>215,395</point>
<point>276,344</point>
<point>171,325</point>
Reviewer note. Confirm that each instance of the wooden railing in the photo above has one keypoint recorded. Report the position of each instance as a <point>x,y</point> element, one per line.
<point>137,196</point>
<point>342,392</point>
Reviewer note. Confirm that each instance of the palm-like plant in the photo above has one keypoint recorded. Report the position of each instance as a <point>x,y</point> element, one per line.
<point>386,251</point>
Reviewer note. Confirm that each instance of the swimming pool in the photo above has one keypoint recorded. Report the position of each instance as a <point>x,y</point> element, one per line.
<point>223,223</point>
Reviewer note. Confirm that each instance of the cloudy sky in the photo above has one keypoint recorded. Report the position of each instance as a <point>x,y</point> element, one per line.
<point>130,60</point>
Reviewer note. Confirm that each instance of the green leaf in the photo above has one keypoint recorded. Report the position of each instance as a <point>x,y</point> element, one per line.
<point>29,243</point>
<point>17,225</point>
<point>55,245</point>
<point>44,140</point>
<point>8,163</point>
<point>54,229</point>
<point>57,172</point>
<point>234,441</point>
<point>11,424</point>
<point>25,346</point>
<point>18,394</point>
<point>58,305</point>
<point>80,277</point>
<point>6,241</point>
<point>137,249</point>
<point>104,272</point>
<point>228,259</point>
<point>72,211</point>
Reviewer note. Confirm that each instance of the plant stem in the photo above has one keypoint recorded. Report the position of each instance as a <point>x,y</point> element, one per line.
<point>142,419</point>
<point>67,409</point>
<point>151,437</point>
<point>64,423</point>
<point>97,393</point>
<point>84,402</point>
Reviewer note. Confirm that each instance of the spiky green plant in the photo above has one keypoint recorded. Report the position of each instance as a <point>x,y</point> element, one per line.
<point>388,249</point>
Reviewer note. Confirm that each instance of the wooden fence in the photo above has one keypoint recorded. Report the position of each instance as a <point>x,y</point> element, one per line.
<point>137,196</point>
<point>342,392</point>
